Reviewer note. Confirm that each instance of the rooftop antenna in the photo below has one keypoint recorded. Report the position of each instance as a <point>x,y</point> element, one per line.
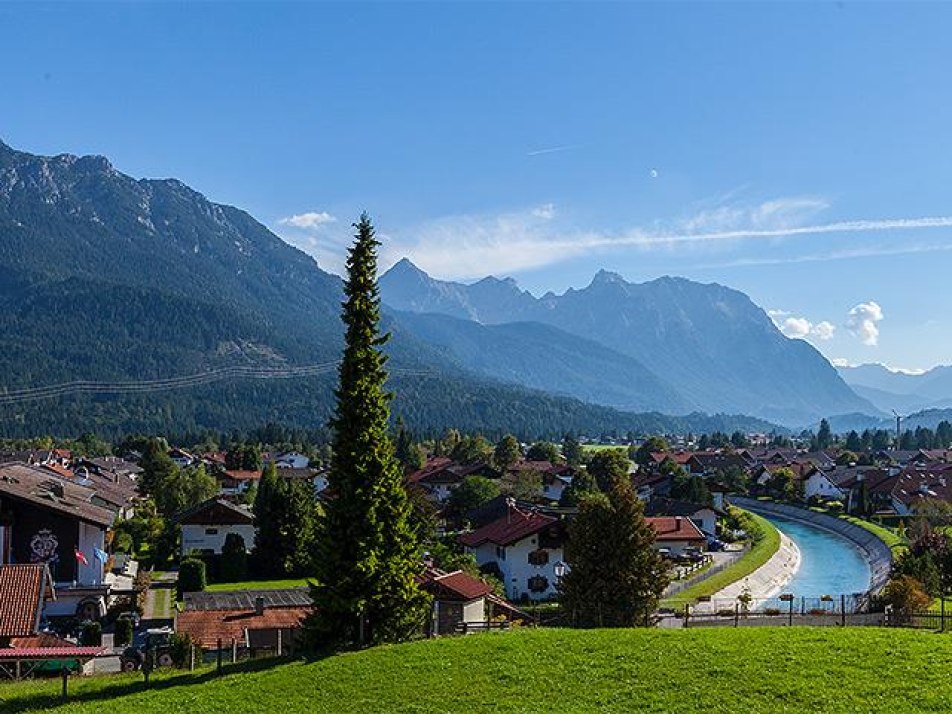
<point>898,427</point>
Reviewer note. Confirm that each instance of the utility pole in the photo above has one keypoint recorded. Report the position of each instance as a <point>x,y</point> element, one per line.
<point>898,428</point>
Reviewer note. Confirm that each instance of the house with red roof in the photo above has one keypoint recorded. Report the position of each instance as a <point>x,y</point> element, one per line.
<point>441,475</point>
<point>249,619</point>
<point>521,548</point>
<point>675,534</point>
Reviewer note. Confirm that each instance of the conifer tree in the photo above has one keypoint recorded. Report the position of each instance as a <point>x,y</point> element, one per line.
<point>616,577</point>
<point>367,555</point>
<point>267,509</point>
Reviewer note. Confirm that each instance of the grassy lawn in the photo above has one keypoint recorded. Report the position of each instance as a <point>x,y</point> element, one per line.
<point>770,670</point>
<point>162,603</point>
<point>757,556</point>
<point>602,447</point>
<point>896,543</point>
<point>259,585</point>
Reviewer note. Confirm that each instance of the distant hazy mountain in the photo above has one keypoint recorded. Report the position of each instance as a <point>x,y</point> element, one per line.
<point>890,390</point>
<point>711,344</point>
<point>544,357</point>
<point>105,277</point>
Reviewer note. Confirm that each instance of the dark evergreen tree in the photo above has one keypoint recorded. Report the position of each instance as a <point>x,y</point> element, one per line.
<point>616,577</point>
<point>267,509</point>
<point>824,437</point>
<point>408,452</point>
<point>367,557</point>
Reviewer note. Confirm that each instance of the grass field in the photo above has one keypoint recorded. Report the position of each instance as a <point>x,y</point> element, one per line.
<point>758,555</point>
<point>770,670</point>
<point>896,543</point>
<point>259,585</point>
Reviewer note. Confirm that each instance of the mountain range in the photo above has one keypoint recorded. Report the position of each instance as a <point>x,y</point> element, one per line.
<point>110,278</point>
<point>903,392</point>
<point>670,345</point>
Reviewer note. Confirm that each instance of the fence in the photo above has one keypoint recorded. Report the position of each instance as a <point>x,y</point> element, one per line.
<point>682,585</point>
<point>842,610</point>
<point>922,619</point>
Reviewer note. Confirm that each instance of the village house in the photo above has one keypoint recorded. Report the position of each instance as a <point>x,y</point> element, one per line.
<point>704,517</point>
<point>522,549</point>
<point>460,600</point>
<point>440,476</point>
<point>206,526</point>
<point>247,619</point>
<point>25,591</point>
<point>51,521</point>
<point>676,534</point>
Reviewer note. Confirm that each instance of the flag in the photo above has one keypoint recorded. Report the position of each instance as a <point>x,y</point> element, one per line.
<point>80,557</point>
<point>101,555</point>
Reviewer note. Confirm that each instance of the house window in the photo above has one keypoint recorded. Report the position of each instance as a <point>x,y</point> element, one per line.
<point>538,557</point>
<point>500,553</point>
<point>211,531</point>
<point>538,583</point>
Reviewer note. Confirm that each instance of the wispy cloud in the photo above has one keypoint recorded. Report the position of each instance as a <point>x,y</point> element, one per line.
<point>463,246</point>
<point>308,221</point>
<point>553,149</point>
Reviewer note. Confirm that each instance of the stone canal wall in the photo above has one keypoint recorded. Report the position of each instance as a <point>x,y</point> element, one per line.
<point>877,553</point>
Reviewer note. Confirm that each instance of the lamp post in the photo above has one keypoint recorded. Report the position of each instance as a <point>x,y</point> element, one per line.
<point>559,570</point>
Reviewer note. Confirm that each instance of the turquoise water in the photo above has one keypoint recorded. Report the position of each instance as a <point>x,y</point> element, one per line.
<point>829,563</point>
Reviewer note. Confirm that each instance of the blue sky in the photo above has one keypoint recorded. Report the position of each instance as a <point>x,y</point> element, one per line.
<point>798,152</point>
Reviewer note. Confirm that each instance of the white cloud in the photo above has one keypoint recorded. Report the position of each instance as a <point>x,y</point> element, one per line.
<point>861,322</point>
<point>824,330</point>
<point>795,327</point>
<point>308,221</point>
<point>546,211</point>
<point>800,327</point>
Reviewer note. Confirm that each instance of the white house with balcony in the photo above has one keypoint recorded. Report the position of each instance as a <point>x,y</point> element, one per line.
<point>522,548</point>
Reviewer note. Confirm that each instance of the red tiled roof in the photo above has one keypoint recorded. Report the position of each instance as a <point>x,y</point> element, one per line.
<point>509,529</point>
<point>674,528</point>
<point>432,465</point>
<point>206,627</point>
<point>242,475</point>
<point>50,652</point>
<point>454,586</point>
<point>21,598</point>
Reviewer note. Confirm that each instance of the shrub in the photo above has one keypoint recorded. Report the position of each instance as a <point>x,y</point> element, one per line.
<point>816,611</point>
<point>180,645</point>
<point>905,594</point>
<point>123,634</point>
<point>191,577</point>
<point>233,566</point>
<point>91,634</point>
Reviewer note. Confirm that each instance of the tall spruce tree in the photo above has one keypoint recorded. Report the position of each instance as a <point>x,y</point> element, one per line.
<point>616,577</point>
<point>367,553</point>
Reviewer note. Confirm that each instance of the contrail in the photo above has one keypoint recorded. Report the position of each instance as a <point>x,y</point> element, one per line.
<point>552,149</point>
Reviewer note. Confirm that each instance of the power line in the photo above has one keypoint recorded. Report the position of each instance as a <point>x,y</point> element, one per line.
<point>168,383</point>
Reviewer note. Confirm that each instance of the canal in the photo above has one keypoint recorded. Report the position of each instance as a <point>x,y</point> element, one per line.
<point>829,563</point>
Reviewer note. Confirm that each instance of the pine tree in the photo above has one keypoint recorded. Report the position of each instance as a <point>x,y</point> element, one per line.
<point>616,577</point>
<point>367,555</point>
<point>268,510</point>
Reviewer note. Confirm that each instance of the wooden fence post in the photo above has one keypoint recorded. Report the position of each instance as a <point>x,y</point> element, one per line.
<point>842,610</point>
<point>219,655</point>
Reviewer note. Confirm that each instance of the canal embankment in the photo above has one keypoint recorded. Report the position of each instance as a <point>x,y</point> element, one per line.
<point>876,552</point>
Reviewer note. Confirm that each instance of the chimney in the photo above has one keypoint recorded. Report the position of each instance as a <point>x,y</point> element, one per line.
<point>677,523</point>
<point>259,606</point>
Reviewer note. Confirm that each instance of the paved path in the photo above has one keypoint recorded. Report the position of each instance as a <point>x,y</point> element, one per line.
<point>765,582</point>
<point>157,611</point>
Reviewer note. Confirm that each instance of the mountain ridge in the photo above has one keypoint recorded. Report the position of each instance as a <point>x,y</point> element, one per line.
<point>712,343</point>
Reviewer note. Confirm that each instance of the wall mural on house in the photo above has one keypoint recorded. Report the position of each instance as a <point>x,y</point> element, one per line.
<point>43,547</point>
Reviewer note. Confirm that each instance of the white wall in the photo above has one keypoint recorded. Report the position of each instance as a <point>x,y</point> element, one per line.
<point>194,537</point>
<point>475,611</point>
<point>820,485</point>
<point>516,569</point>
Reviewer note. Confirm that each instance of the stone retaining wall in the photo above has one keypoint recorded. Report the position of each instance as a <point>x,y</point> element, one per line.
<point>877,553</point>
